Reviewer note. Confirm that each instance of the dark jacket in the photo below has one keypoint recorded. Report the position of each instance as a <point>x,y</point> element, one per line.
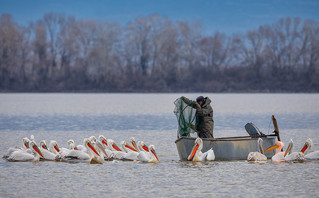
<point>204,117</point>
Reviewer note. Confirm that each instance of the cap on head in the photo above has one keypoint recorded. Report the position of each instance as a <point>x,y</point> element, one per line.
<point>200,99</point>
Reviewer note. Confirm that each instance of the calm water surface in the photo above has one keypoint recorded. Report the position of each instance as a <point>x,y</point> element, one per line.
<point>149,117</point>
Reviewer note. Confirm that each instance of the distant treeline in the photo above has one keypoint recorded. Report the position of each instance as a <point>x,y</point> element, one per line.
<point>155,54</point>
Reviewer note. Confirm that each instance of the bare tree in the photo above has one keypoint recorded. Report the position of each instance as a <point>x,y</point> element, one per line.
<point>215,51</point>
<point>153,53</point>
<point>310,56</point>
<point>138,38</point>
<point>10,40</point>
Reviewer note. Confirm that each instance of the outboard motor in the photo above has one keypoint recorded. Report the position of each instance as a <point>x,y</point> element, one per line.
<point>252,130</point>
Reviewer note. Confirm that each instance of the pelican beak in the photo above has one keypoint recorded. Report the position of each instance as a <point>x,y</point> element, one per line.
<point>194,150</point>
<point>272,148</point>
<point>129,147</point>
<point>93,149</point>
<point>104,142</point>
<point>36,148</point>
<point>262,148</point>
<point>145,148</point>
<point>101,148</point>
<point>116,147</point>
<point>45,147</point>
<point>153,151</point>
<point>57,148</point>
<point>288,149</point>
<point>134,145</point>
<point>26,145</point>
<point>304,148</point>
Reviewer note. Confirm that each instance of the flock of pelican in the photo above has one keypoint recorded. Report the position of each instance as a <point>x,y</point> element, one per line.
<point>94,150</point>
<point>98,150</point>
<point>284,156</point>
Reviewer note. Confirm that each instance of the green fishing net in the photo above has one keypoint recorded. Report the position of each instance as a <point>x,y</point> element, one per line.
<point>186,118</point>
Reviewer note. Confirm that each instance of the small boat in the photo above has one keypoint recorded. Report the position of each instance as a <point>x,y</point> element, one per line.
<point>230,148</point>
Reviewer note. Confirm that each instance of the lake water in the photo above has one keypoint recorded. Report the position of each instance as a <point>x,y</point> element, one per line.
<point>149,117</point>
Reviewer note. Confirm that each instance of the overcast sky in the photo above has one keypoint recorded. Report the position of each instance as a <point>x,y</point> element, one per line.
<point>228,16</point>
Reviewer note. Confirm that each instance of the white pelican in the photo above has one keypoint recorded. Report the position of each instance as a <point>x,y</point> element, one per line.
<point>32,138</point>
<point>150,157</point>
<point>127,148</point>
<point>258,156</point>
<point>43,144</point>
<point>73,146</point>
<point>117,153</point>
<point>26,142</point>
<point>307,146</point>
<point>132,141</point>
<point>48,155</point>
<point>76,155</point>
<point>103,140</point>
<point>95,156</point>
<point>53,147</point>
<point>306,150</point>
<point>142,147</point>
<point>312,155</point>
<point>20,155</point>
<point>279,156</point>
<point>101,147</point>
<point>93,140</point>
<point>294,156</point>
<point>196,154</point>
<point>105,146</point>
<point>59,152</point>
<point>129,154</point>
<point>11,150</point>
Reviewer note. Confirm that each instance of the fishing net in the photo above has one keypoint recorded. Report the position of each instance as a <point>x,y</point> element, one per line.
<point>186,118</point>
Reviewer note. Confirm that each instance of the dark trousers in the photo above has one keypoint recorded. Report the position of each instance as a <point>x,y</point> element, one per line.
<point>205,135</point>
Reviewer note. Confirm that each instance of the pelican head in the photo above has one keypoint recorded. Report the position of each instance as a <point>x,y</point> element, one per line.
<point>70,141</point>
<point>289,148</point>
<point>34,146</point>
<point>112,145</point>
<point>43,144</point>
<point>26,142</point>
<point>278,145</point>
<point>92,139</point>
<point>197,147</point>
<point>142,147</point>
<point>132,141</point>
<point>126,146</point>
<point>72,145</point>
<point>307,146</point>
<point>54,147</point>
<point>152,150</point>
<point>88,144</point>
<point>103,140</point>
<point>32,138</point>
<point>260,145</point>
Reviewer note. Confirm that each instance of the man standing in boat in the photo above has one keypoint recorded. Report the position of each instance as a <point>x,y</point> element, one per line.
<point>204,116</point>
